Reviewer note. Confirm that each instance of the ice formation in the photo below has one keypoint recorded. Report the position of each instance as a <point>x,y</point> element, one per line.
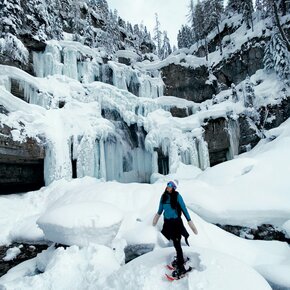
<point>92,128</point>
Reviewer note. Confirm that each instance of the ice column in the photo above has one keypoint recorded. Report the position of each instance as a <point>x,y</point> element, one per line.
<point>48,62</point>
<point>203,154</point>
<point>70,68</point>
<point>57,162</point>
<point>33,96</point>
<point>88,71</point>
<point>121,75</point>
<point>234,135</point>
<point>86,157</point>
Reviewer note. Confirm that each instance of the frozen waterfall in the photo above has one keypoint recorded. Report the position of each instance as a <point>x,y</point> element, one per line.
<point>234,136</point>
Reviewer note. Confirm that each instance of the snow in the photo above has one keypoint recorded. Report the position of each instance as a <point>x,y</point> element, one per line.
<point>81,223</point>
<point>127,54</point>
<point>286,227</point>
<point>97,216</point>
<point>212,270</point>
<point>11,254</point>
<point>243,191</point>
<point>61,269</point>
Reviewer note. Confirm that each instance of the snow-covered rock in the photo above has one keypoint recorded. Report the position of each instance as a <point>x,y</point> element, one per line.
<point>81,223</point>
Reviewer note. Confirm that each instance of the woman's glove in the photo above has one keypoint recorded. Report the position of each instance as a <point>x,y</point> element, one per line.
<point>192,226</point>
<point>155,220</point>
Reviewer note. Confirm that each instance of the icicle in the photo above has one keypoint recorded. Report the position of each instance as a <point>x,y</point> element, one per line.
<point>86,157</point>
<point>194,160</point>
<point>155,162</point>
<point>234,135</point>
<point>70,62</point>
<point>6,82</point>
<point>48,62</point>
<point>102,161</point>
<point>33,96</point>
<point>173,159</point>
<point>97,159</point>
<point>120,75</point>
<point>57,162</point>
<point>203,154</point>
<point>151,87</point>
<point>88,71</point>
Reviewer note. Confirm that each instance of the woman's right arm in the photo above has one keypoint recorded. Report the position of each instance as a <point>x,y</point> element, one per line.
<point>157,216</point>
<point>155,220</point>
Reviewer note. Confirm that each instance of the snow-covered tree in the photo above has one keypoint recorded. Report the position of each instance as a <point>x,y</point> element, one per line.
<point>185,37</point>
<point>157,35</point>
<point>103,8</point>
<point>260,9</point>
<point>11,15</point>
<point>249,93</point>
<point>247,9</point>
<point>214,8</point>
<point>234,6</point>
<point>199,22</point>
<point>235,97</point>
<point>166,47</point>
<point>277,56</point>
<point>274,9</point>
<point>191,13</point>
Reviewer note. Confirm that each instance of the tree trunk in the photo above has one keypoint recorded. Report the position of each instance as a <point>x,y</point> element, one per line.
<point>206,48</point>
<point>220,40</point>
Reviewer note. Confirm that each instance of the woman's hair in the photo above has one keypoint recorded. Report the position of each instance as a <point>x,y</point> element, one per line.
<point>173,197</point>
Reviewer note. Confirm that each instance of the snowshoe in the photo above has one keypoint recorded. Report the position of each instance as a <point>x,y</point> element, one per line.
<point>178,274</point>
<point>173,264</point>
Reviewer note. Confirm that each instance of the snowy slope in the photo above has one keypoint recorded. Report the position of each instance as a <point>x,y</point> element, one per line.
<point>214,194</point>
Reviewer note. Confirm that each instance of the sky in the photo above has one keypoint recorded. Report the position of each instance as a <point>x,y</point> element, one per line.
<point>171,13</point>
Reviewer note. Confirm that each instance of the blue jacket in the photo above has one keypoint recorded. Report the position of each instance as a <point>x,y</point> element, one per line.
<point>171,213</point>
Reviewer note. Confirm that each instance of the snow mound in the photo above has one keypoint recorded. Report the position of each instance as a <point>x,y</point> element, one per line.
<point>81,223</point>
<point>72,268</point>
<point>213,270</point>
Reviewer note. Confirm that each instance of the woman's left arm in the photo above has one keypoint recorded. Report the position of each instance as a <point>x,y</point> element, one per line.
<point>186,214</point>
<point>183,207</point>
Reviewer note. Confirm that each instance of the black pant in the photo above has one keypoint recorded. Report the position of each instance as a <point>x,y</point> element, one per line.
<point>179,253</point>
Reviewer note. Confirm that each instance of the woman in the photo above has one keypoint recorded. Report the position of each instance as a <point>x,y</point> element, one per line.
<point>172,204</point>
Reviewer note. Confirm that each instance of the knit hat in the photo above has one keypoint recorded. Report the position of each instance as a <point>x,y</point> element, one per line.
<point>172,185</point>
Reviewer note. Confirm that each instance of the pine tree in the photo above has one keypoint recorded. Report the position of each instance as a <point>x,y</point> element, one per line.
<point>199,22</point>
<point>200,26</point>
<point>103,8</point>
<point>276,22</point>
<point>129,27</point>
<point>235,97</point>
<point>166,47</point>
<point>248,9</point>
<point>11,15</point>
<point>191,13</point>
<point>249,93</point>
<point>277,57</point>
<point>214,10</point>
<point>157,35</point>
<point>54,27</point>
<point>234,6</point>
<point>185,37</point>
<point>260,9</point>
